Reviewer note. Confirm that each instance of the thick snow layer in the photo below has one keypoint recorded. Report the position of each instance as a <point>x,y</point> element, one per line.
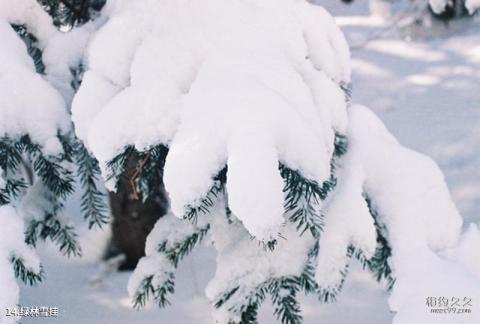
<point>407,187</point>
<point>430,104</point>
<point>29,104</point>
<point>409,193</point>
<point>438,6</point>
<point>347,222</point>
<point>221,82</point>
<point>244,263</point>
<point>30,14</point>
<point>11,245</point>
<point>156,265</point>
<point>172,230</point>
<point>472,5</point>
<point>168,230</point>
<point>64,52</point>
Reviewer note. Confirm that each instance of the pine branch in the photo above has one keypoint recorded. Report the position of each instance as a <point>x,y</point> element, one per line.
<point>302,200</point>
<point>26,275</point>
<point>118,164</point>
<point>282,291</point>
<point>51,228</point>
<point>93,205</point>
<point>304,196</point>
<point>225,297</point>
<point>147,176</point>
<point>162,291</point>
<point>10,156</point>
<point>209,200</point>
<point>143,293</point>
<point>174,253</point>
<point>330,295</point>
<point>287,308</point>
<point>32,47</point>
<point>159,293</point>
<point>77,76</point>
<point>340,145</point>
<point>11,190</point>
<point>181,249</point>
<point>58,179</point>
<point>50,169</point>
<point>249,315</point>
<point>378,264</point>
<point>248,311</point>
<point>306,280</point>
<point>71,13</point>
<point>347,91</point>
<point>151,175</point>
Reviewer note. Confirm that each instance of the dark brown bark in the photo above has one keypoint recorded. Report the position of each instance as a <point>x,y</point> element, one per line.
<point>132,219</point>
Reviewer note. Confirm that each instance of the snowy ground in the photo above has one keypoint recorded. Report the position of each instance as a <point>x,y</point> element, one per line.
<point>427,93</point>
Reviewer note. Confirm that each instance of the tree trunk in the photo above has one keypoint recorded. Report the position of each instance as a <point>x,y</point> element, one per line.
<point>133,219</point>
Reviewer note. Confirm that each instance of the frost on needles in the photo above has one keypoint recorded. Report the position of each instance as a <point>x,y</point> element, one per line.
<point>266,158</point>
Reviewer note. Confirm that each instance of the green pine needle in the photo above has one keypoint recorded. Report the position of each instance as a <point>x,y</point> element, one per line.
<point>93,205</point>
<point>26,275</point>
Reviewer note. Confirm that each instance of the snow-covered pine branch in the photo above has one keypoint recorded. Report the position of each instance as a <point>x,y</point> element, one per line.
<point>439,6</point>
<point>249,98</point>
<point>152,80</point>
<point>37,145</point>
<point>265,158</point>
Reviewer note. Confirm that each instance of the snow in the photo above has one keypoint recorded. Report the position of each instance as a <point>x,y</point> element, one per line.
<point>345,224</point>
<point>30,14</point>
<point>438,6</point>
<point>35,108</point>
<point>244,263</point>
<point>189,79</point>
<point>64,52</point>
<point>408,191</point>
<point>30,104</point>
<point>408,188</point>
<point>11,246</point>
<point>464,254</point>
<point>168,230</point>
<point>157,266</point>
<point>39,106</point>
<point>90,104</point>
<point>472,5</point>
<point>431,106</point>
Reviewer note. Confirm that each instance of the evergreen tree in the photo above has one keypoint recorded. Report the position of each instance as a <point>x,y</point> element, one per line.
<point>266,157</point>
<point>241,110</point>
<point>40,156</point>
